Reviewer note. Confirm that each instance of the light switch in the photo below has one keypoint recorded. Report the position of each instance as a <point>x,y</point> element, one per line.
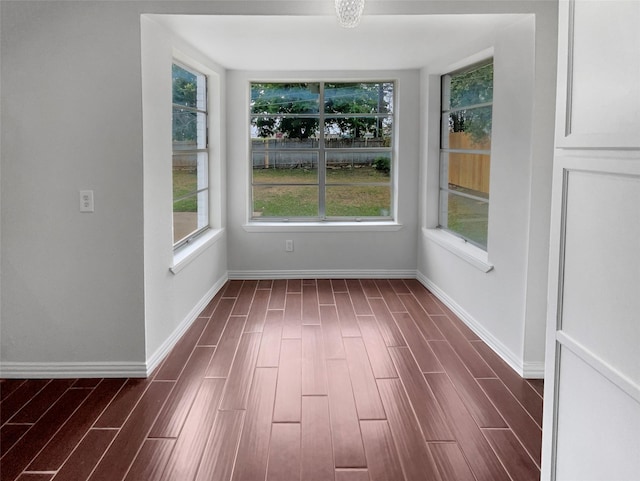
<point>86,201</point>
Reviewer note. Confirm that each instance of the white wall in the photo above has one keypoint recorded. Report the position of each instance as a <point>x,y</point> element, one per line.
<point>339,251</point>
<point>174,299</point>
<point>501,305</point>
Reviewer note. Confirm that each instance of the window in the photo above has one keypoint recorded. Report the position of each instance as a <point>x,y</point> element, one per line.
<point>465,152</point>
<point>190,155</point>
<point>321,151</point>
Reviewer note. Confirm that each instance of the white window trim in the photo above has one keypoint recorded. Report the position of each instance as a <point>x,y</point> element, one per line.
<point>189,252</point>
<point>468,252</point>
<point>365,226</point>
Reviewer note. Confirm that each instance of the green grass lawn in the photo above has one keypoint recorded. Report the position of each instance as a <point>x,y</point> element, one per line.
<point>185,181</point>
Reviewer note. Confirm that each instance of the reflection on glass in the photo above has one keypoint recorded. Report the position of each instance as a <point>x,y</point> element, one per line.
<point>284,132</point>
<point>348,132</point>
<point>466,217</point>
<point>472,87</point>
<point>358,201</point>
<point>358,98</point>
<point>189,130</point>
<point>285,98</point>
<point>285,201</point>
<point>185,87</point>
<point>468,129</point>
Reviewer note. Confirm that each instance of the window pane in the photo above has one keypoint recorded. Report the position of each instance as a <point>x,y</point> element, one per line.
<point>468,129</point>
<point>278,164</point>
<point>189,130</point>
<point>358,98</point>
<point>470,88</point>
<point>190,215</point>
<point>468,173</point>
<point>283,98</point>
<point>464,216</point>
<point>358,167</point>
<point>285,201</point>
<point>190,173</point>
<point>284,132</point>
<point>358,201</point>
<point>345,132</point>
<point>185,87</point>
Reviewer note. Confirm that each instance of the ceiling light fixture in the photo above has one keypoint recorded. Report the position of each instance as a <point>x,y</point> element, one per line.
<point>349,12</point>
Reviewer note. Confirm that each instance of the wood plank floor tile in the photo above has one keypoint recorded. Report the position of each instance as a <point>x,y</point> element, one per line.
<point>430,417</point>
<point>365,389</point>
<point>253,450</point>
<point>352,475</point>
<point>86,383</point>
<point>317,453</point>
<point>390,297</point>
<point>513,455</point>
<point>188,449</point>
<point>346,315</point>
<point>348,451</point>
<point>86,455</point>
<point>177,358</point>
<point>422,320</point>
<point>370,289</point>
<point>381,362</point>
<point>121,406</point>
<point>310,312</point>
<point>19,396</point>
<point>314,370</point>
<point>9,386</point>
<point>309,282</point>
<point>41,402</point>
<point>399,286</point>
<point>232,289</point>
<point>236,393</point>
<point>450,462</point>
<point>463,348</point>
<point>382,456</point>
<point>358,298</point>
<point>116,461</point>
<point>269,354</point>
<point>226,349</point>
<point>284,452</point>
<point>220,452</point>
<point>278,294</point>
<point>10,434</point>
<point>289,387</point>
<point>258,311</point>
<point>478,404</point>
<point>331,333</point>
<point>523,391</point>
<point>294,285</point>
<point>292,323</point>
<point>211,305</point>
<point>175,410</point>
<point>416,460</point>
<point>58,449</point>
<point>523,425</point>
<point>265,284</point>
<point>244,298</point>
<point>424,297</point>
<point>388,327</point>
<point>35,477</point>
<point>339,285</point>
<point>538,385</point>
<point>424,355</point>
<point>481,459</point>
<point>215,326</point>
<point>325,292</point>
<point>16,459</point>
<point>151,460</point>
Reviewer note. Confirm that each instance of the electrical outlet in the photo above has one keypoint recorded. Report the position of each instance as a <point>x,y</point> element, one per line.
<point>86,201</point>
<point>288,245</point>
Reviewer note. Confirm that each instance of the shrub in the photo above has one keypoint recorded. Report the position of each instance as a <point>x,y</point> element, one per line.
<point>383,164</point>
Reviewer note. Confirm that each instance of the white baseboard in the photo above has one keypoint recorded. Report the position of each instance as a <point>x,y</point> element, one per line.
<point>68,370</point>
<point>326,274</point>
<point>525,370</point>
<point>160,353</point>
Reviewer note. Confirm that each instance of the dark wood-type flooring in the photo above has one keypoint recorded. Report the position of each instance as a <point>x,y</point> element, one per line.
<point>344,380</point>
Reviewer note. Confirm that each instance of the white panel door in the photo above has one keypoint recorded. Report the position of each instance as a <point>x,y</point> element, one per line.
<point>591,428</point>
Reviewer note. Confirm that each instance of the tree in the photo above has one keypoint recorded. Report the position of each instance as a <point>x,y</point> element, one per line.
<point>470,88</point>
<point>184,93</point>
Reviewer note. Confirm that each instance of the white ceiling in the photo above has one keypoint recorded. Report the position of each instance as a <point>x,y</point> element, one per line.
<point>380,42</point>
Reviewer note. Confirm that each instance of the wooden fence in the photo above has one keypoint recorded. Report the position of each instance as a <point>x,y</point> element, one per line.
<point>470,171</point>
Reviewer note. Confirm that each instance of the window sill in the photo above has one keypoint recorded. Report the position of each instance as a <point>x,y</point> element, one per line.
<point>468,252</point>
<point>189,252</point>
<point>384,226</point>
